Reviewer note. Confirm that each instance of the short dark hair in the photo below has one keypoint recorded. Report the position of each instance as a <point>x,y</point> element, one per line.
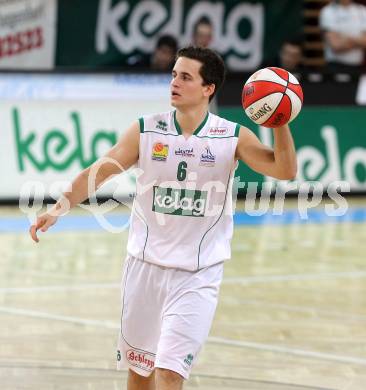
<point>212,70</point>
<point>203,20</point>
<point>296,40</point>
<point>167,40</point>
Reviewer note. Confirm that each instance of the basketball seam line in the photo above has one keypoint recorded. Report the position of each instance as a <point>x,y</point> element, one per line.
<point>288,82</point>
<point>277,83</point>
<point>274,111</point>
<point>283,94</point>
<point>279,75</point>
<point>295,92</point>
<point>271,93</point>
<point>268,81</point>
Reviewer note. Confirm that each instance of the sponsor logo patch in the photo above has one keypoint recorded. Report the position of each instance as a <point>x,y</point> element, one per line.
<point>277,119</point>
<point>249,91</point>
<point>160,151</point>
<point>188,152</point>
<point>207,158</point>
<point>140,359</point>
<point>161,125</point>
<point>188,360</point>
<point>183,202</point>
<point>217,130</point>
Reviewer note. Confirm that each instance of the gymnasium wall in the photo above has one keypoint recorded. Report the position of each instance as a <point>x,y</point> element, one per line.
<point>54,125</point>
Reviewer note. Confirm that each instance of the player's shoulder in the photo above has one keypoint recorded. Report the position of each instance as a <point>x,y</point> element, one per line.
<point>160,122</point>
<point>219,127</point>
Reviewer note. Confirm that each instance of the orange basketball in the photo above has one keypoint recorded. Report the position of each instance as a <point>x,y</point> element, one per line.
<point>272,97</point>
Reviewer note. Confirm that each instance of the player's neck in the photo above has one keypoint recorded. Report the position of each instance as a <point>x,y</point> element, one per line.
<point>190,119</point>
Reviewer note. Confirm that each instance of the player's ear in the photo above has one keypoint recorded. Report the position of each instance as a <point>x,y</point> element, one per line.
<point>209,89</point>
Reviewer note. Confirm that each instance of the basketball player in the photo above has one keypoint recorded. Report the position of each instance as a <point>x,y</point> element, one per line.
<point>181,223</point>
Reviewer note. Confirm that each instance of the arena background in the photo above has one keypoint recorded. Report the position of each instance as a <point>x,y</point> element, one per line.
<point>292,312</point>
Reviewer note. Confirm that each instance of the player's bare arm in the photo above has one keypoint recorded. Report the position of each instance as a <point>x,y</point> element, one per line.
<point>121,157</point>
<point>279,162</point>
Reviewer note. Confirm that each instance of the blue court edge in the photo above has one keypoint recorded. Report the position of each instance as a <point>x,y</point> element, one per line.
<point>90,223</point>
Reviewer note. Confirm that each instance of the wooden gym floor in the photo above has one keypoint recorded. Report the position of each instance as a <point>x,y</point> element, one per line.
<point>292,311</point>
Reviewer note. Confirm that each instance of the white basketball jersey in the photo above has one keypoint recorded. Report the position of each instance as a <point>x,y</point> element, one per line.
<point>182,213</point>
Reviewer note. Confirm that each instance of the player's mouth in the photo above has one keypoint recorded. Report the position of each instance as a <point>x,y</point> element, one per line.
<point>175,94</point>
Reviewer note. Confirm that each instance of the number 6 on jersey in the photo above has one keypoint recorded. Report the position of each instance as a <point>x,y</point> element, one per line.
<point>182,171</point>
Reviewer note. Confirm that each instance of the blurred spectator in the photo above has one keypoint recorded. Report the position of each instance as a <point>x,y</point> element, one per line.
<point>291,55</point>
<point>161,59</point>
<point>344,25</point>
<point>202,32</point>
<point>202,37</point>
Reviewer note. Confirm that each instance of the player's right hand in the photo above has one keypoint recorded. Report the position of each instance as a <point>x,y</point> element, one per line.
<point>43,222</point>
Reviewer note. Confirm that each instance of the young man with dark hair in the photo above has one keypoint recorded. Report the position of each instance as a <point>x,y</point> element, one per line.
<point>181,224</point>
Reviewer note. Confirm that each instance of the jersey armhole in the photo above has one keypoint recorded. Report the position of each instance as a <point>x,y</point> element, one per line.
<point>237,130</point>
<point>141,122</point>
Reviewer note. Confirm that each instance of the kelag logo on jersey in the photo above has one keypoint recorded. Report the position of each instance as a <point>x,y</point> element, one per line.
<point>188,203</point>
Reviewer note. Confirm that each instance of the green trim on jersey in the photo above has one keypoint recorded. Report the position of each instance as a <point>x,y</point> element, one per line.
<point>177,135</point>
<point>237,130</point>
<point>218,219</point>
<point>199,128</point>
<point>157,132</point>
<point>147,236</point>
<point>208,136</point>
<point>141,121</point>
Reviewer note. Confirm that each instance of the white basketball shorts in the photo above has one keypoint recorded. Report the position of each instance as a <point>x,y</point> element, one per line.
<point>166,315</point>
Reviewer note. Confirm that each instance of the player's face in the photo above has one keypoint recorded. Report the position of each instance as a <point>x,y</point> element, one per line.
<point>186,86</point>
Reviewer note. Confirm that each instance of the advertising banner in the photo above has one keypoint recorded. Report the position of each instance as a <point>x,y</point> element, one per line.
<point>330,145</point>
<point>27,34</point>
<point>111,32</point>
<point>54,126</point>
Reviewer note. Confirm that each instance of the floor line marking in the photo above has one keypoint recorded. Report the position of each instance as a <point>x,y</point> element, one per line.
<point>227,280</point>
<point>212,339</point>
<point>287,350</point>
<point>301,309</point>
<point>195,376</point>
<point>291,277</point>
<point>57,317</point>
<point>57,288</point>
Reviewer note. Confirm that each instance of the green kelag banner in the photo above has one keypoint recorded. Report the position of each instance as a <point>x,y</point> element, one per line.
<point>108,32</point>
<point>330,144</point>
